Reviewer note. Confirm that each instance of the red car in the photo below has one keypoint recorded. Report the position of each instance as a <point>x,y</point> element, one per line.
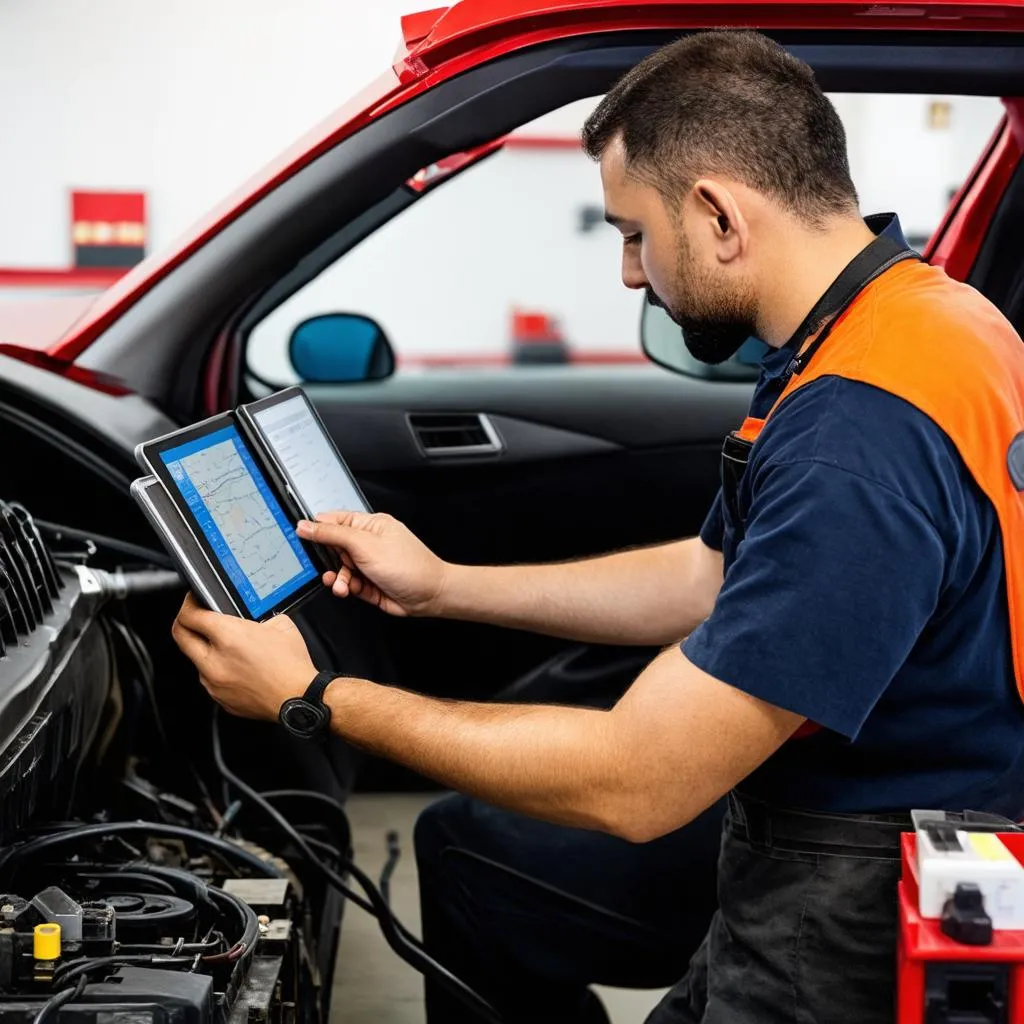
<point>493,464</point>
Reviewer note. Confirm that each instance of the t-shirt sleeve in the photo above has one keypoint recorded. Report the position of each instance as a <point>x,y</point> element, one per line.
<point>713,530</point>
<point>830,589</point>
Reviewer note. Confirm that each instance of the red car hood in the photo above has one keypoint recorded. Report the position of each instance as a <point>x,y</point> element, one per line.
<point>443,42</point>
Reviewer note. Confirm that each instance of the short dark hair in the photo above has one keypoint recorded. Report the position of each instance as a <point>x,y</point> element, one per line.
<point>733,103</point>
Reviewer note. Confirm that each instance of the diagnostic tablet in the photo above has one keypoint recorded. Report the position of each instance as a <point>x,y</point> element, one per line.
<point>216,484</point>
<point>296,441</point>
<point>181,545</point>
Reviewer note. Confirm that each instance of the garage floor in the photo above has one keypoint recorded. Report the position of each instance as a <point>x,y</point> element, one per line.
<point>372,986</point>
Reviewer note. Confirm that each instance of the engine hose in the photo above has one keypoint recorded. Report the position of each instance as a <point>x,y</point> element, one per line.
<point>246,944</point>
<point>121,585</point>
<point>11,858</point>
<point>58,531</point>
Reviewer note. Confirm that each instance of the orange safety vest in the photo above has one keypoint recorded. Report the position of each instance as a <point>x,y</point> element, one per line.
<point>944,348</point>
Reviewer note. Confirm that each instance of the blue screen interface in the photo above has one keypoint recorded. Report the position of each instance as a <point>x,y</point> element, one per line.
<point>240,517</point>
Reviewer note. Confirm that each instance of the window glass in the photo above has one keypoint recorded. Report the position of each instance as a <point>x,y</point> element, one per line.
<point>511,263</point>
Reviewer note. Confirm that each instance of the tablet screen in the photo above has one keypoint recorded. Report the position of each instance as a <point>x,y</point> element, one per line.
<point>317,476</point>
<point>241,519</point>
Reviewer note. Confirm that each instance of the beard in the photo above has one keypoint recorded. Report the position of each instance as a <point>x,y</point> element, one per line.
<point>714,324</point>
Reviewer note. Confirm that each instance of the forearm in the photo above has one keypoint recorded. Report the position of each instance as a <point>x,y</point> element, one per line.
<point>645,596</point>
<point>554,763</point>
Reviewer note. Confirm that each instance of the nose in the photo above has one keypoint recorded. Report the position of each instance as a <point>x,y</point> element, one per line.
<point>633,275</point>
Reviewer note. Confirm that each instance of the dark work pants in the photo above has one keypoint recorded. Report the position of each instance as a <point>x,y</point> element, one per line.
<point>529,914</point>
<point>806,927</point>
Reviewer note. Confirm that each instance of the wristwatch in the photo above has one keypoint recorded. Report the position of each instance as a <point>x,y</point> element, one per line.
<point>308,716</point>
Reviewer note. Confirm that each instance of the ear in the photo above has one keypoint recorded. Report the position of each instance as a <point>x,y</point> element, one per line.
<point>721,213</point>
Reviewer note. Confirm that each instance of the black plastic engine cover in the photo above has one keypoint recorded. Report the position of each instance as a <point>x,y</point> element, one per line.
<point>54,684</point>
<point>138,995</point>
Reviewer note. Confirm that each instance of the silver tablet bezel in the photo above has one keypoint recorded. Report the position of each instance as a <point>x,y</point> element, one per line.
<point>175,534</point>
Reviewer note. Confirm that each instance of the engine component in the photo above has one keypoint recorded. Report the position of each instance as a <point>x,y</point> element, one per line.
<point>46,943</point>
<point>140,932</point>
<point>56,675</point>
<point>108,920</point>
<point>132,994</point>
<point>60,909</point>
<point>147,917</point>
<point>266,896</point>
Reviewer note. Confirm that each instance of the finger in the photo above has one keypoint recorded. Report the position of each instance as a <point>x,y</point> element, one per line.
<point>198,619</point>
<point>345,517</point>
<point>335,535</point>
<point>192,645</point>
<point>329,578</point>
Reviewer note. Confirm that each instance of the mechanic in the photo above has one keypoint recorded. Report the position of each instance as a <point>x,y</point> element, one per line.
<point>851,610</point>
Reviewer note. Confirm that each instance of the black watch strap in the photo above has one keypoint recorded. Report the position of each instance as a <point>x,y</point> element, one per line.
<point>309,717</point>
<point>315,691</point>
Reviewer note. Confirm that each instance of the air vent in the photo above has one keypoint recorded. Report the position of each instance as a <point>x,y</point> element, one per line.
<point>454,433</point>
<point>28,575</point>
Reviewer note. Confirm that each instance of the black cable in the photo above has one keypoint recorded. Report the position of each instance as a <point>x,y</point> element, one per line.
<point>147,673</point>
<point>394,855</point>
<point>52,1006</point>
<point>150,555</point>
<point>313,796</point>
<point>408,951</point>
<point>230,813</point>
<point>319,844</point>
<point>341,830</point>
<point>191,948</point>
<point>246,944</point>
<point>10,858</point>
<point>80,969</point>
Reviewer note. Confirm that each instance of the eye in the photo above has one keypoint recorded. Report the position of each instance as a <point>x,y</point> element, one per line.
<point>635,239</point>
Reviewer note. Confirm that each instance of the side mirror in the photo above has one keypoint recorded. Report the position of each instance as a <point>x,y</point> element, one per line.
<point>662,341</point>
<point>340,348</point>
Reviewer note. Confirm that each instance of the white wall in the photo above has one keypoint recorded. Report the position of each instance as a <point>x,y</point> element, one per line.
<point>900,163</point>
<point>184,99</point>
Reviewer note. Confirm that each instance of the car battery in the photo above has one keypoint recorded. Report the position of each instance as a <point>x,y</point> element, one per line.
<point>960,957</point>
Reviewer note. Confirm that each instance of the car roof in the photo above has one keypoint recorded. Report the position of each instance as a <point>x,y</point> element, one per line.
<point>429,34</point>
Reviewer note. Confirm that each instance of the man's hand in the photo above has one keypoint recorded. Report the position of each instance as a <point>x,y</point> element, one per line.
<point>249,668</point>
<point>383,562</point>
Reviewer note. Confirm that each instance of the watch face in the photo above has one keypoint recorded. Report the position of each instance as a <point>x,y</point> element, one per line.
<point>303,718</point>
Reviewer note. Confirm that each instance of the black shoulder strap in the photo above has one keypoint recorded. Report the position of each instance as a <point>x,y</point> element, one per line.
<point>871,262</point>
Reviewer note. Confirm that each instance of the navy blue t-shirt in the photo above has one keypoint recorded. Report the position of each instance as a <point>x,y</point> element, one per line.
<point>868,595</point>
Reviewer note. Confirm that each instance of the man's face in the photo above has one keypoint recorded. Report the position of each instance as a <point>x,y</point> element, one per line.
<point>673,254</point>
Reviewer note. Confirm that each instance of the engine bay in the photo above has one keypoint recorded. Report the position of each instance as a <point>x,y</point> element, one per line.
<point>182,917</point>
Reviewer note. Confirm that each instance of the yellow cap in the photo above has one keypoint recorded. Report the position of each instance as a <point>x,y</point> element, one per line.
<point>46,942</point>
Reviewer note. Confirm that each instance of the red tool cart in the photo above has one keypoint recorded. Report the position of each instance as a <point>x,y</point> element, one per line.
<point>957,969</point>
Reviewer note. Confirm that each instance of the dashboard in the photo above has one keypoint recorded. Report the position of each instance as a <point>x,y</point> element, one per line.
<point>68,449</point>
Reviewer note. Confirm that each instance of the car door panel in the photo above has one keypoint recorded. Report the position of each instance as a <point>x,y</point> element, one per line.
<point>632,406</point>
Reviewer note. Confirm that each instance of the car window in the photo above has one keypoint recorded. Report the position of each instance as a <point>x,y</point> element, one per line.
<point>510,263</point>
